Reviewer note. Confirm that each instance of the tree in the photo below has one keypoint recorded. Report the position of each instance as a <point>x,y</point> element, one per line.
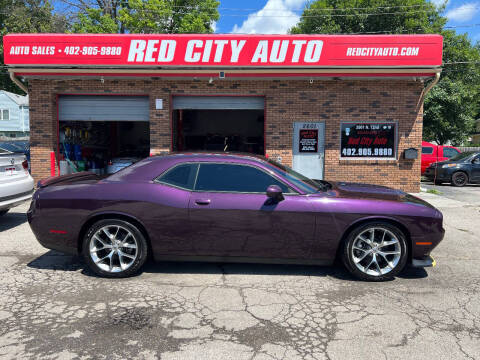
<point>450,111</point>
<point>28,16</point>
<point>452,105</point>
<point>146,16</point>
<point>370,16</point>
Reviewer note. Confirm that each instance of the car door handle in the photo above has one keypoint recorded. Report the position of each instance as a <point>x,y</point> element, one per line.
<point>202,201</point>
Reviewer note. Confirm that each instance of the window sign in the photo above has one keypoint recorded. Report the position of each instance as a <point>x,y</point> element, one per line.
<point>308,141</point>
<point>364,140</point>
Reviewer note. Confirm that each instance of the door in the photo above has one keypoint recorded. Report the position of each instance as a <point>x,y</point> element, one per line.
<point>231,215</point>
<point>103,108</point>
<point>309,149</point>
<point>428,156</point>
<point>449,152</point>
<point>476,169</point>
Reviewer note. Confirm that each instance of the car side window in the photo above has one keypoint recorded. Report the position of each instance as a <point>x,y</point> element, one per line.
<point>449,152</point>
<point>427,150</point>
<point>235,178</point>
<point>476,161</point>
<point>182,176</point>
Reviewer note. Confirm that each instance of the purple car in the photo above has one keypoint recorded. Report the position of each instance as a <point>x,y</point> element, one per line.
<point>231,208</point>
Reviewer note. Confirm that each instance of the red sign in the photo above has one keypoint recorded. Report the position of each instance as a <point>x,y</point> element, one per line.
<point>224,50</point>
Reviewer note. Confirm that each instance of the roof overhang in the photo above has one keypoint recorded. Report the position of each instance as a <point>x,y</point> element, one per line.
<point>234,56</point>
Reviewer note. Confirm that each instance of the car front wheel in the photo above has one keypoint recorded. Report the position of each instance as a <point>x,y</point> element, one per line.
<point>459,178</point>
<point>114,248</point>
<point>375,251</point>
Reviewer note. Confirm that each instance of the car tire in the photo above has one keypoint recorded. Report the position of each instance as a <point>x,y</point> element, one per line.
<point>3,212</point>
<point>114,248</point>
<point>392,256</point>
<point>459,179</point>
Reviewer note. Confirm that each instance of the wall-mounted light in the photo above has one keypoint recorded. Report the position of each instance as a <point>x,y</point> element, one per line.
<point>210,80</point>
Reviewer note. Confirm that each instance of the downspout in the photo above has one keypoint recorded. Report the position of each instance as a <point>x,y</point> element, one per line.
<point>18,82</point>
<point>429,87</point>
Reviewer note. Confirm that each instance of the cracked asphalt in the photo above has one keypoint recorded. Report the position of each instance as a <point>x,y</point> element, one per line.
<point>53,308</point>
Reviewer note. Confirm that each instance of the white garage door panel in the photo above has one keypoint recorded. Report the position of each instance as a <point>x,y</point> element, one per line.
<point>219,102</point>
<point>103,108</point>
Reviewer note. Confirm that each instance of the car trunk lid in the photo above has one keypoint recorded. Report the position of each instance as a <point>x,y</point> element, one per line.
<point>80,177</point>
<point>12,166</point>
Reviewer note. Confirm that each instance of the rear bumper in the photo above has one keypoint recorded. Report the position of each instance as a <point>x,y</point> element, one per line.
<point>15,192</point>
<point>426,261</point>
<point>9,202</point>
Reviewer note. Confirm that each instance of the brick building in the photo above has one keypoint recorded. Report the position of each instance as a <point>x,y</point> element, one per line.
<point>342,108</point>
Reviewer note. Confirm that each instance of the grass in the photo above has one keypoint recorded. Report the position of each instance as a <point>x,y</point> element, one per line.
<point>434,191</point>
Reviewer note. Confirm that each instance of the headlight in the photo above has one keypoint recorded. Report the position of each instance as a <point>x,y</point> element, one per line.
<point>449,165</point>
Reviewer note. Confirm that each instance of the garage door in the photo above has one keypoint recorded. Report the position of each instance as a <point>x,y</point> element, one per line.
<point>219,102</point>
<point>103,108</point>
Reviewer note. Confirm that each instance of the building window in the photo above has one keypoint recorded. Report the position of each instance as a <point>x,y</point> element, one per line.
<point>4,114</point>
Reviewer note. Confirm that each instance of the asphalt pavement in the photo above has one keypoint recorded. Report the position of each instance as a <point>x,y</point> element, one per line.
<point>51,307</point>
<point>469,193</point>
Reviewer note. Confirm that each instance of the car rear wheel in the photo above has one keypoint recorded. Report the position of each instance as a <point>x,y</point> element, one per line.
<point>375,251</point>
<point>3,212</point>
<point>459,178</point>
<point>114,248</point>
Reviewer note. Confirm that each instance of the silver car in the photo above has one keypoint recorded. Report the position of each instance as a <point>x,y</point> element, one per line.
<point>16,184</point>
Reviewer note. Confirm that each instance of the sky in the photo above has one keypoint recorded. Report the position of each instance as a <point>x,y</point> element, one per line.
<point>255,16</point>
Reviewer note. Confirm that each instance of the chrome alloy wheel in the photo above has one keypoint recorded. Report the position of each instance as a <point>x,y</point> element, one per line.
<point>376,251</point>
<point>113,248</point>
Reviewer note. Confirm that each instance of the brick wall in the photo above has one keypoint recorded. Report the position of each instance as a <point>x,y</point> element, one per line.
<point>331,101</point>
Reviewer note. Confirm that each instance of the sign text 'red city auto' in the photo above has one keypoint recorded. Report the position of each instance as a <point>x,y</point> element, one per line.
<point>223,50</point>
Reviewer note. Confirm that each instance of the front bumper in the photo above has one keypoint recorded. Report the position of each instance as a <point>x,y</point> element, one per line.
<point>438,174</point>
<point>426,261</point>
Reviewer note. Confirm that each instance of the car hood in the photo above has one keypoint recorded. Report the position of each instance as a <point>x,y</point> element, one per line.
<point>375,192</point>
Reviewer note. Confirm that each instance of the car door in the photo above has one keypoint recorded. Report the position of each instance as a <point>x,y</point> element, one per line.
<point>231,216</point>
<point>428,156</point>
<point>167,210</point>
<point>475,177</point>
<point>449,152</point>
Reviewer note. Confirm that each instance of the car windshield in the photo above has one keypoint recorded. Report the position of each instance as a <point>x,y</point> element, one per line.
<point>462,156</point>
<point>302,182</point>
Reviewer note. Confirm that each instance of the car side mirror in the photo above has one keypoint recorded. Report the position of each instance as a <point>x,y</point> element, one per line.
<point>275,192</point>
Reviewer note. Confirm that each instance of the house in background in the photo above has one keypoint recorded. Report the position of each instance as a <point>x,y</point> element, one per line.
<point>14,118</point>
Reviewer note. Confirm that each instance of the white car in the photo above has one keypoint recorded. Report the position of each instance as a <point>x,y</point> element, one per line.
<point>16,184</point>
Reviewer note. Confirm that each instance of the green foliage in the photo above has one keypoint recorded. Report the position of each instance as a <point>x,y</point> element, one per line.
<point>452,105</point>
<point>361,16</point>
<point>95,21</point>
<point>149,16</point>
<point>450,111</point>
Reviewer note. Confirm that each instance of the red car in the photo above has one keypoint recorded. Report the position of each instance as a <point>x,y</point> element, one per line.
<point>433,153</point>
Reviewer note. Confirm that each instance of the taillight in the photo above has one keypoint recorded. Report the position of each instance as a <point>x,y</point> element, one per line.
<point>25,165</point>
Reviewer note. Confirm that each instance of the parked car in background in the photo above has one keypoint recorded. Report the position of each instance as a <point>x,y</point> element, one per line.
<point>17,146</point>
<point>16,184</point>
<point>231,208</point>
<point>433,153</point>
<point>458,170</point>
